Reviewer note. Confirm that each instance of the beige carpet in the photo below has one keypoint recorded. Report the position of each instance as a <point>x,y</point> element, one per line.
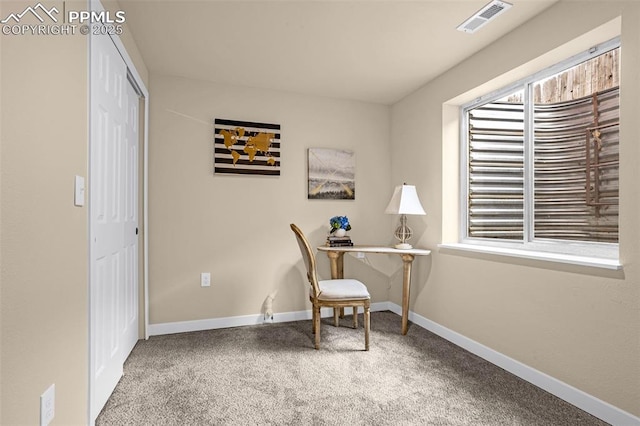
<point>271,375</point>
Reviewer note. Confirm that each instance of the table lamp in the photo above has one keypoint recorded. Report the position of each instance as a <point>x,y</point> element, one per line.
<point>403,202</point>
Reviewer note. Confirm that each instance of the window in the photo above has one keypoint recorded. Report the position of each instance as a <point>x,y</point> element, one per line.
<point>542,160</point>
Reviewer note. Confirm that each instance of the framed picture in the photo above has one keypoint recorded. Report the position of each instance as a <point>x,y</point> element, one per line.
<point>246,148</point>
<point>332,174</point>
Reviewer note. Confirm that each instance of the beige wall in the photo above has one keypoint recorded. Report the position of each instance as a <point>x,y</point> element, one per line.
<point>43,279</point>
<point>44,237</point>
<point>579,325</point>
<point>237,227</point>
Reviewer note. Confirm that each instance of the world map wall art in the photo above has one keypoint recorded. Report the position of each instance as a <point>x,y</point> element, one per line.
<point>246,148</point>
<point>332,174</point>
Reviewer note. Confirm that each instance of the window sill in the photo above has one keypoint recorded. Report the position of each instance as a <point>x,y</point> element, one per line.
<point>593,262</point>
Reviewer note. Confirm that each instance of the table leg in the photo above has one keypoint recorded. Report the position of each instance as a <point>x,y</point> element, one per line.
<point>407,259</point>
<point>337,264</point>
<point>337,271</point>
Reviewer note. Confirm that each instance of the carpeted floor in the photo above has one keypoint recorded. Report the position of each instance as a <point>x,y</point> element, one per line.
<point>271,375</point>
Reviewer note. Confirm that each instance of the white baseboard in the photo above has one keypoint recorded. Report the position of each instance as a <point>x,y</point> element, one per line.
<point>228,322</point>
<point>580,399</point>
<point>592,405</point>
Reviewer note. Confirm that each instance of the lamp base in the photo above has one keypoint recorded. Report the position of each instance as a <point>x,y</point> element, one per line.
<point>403,246</point>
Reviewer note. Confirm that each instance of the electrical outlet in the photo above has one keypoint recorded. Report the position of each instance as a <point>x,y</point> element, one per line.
<point>47,405</point>
<point>360,255</point>
<point>205,279</point>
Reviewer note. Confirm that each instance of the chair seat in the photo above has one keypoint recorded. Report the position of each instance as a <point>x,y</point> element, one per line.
<point>341,289</point>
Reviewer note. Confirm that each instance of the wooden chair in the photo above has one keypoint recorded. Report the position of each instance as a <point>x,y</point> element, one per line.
<point>336,294</point>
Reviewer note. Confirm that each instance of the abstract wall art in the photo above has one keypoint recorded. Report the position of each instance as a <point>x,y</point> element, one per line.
<point>332,174</point>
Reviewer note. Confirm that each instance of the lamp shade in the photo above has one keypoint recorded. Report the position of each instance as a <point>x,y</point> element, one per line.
<point>405,201</point>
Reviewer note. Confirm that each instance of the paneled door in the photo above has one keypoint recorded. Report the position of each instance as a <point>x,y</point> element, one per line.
<point>113,195</point>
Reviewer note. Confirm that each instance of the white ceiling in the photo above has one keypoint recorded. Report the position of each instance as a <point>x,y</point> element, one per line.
<point>374,51</point>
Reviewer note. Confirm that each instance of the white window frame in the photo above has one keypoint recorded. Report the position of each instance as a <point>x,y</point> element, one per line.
<point>576,252</point>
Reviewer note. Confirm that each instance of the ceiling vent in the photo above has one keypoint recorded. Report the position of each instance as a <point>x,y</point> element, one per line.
<point>483,16</point>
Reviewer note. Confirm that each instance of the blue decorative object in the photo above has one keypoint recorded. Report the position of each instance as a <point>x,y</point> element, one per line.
<point>339,222</point>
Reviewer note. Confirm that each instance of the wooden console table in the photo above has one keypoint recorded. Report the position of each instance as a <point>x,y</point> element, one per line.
<point>336,255</point>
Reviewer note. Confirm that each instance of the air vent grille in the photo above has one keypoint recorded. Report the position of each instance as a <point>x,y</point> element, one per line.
<point>483,16</point>
<point>492,11</point>
<point>474,24</point>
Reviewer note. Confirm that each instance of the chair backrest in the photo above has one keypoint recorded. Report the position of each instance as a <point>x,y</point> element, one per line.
<point>308,257</point>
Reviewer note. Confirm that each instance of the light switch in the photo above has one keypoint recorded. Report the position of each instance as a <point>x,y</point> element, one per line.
<point>78,198</point>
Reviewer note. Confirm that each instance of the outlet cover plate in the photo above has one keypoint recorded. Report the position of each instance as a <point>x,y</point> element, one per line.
<point>205,279</point>
<point>47,405</point>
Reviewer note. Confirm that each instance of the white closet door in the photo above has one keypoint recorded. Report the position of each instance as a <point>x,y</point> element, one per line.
<point>113,220</point>
<point>129,298</point>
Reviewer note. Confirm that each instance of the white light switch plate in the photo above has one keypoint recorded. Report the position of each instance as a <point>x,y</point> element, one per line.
<point>78,197</point>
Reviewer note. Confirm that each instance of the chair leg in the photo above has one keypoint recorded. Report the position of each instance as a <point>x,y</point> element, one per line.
<point>316,326</point>
<point>367,324</point>
<point>355,317</point>
<point>313,319</point>
<point>336,317</point>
